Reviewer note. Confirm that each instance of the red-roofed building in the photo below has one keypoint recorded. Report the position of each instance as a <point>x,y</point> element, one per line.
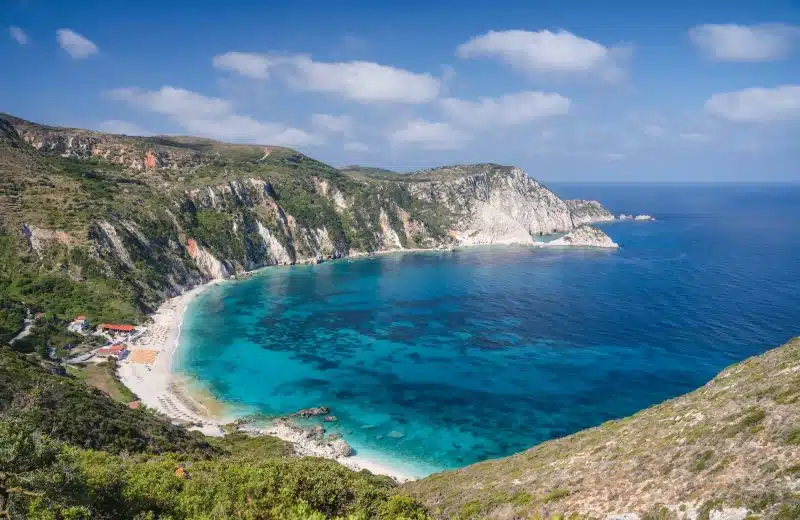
<point>78,324</point>
<point>134,405</point>
<point>113,327</point>
<point>114,350</point>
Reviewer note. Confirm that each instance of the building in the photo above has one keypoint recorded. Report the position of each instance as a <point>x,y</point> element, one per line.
<point>78,325</point>
<point>113,327</point>
<point>118,351</point>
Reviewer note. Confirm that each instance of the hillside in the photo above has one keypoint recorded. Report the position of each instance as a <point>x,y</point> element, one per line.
<point>731,445</point>
<point>67,451</point>
<point>109,226</point>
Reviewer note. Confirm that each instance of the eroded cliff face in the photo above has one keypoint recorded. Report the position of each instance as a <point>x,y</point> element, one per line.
<point>165,213</point>
<point>497,207</point>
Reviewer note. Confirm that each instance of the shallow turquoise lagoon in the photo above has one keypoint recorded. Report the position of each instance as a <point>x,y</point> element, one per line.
<point>439,360</point>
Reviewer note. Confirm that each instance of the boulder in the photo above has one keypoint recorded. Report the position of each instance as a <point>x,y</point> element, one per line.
<point>312,412</point>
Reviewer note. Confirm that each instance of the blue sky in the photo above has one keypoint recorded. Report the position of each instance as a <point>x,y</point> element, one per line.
<point>684,91</point>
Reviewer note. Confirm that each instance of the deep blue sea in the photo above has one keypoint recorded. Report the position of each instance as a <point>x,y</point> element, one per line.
<point>439,359</point>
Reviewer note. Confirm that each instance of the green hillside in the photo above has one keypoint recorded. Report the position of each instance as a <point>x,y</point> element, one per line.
<point>67,451</point>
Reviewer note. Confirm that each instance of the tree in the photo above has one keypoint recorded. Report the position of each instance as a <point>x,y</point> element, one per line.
<point>25,457</point>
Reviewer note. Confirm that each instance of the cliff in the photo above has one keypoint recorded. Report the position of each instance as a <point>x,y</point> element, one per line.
<point>728,450</point>
<point>152,216</point>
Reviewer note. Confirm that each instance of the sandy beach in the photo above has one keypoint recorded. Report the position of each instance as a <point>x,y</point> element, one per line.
<point>147,372</point>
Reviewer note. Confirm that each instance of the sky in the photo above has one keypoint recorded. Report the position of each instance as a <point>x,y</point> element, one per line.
<point>680,91</point>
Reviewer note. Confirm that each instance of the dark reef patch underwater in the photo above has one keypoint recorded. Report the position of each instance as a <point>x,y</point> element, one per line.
<point>439,360</point>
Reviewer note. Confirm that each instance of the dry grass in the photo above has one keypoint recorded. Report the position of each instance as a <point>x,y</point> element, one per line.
<point>103,377</point>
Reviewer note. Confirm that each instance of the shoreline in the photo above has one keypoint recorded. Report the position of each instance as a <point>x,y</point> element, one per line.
<point>159,388</point>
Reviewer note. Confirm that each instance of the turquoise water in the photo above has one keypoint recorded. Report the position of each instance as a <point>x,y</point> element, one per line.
<point>444,359</point>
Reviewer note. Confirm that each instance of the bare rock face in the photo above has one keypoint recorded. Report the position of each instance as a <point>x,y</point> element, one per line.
<point>585,236</point>
<point>588,212</point>
<point>493,204</point>
<point>340,448</point>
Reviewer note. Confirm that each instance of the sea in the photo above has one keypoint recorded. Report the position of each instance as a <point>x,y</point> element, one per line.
<point>435,360</point>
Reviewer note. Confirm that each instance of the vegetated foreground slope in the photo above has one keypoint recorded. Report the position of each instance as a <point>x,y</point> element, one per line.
<point>67,451</point>
<point>108,226</point>
<point>734,443</point>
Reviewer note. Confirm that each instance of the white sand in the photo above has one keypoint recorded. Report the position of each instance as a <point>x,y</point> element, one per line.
<point>156,385</point>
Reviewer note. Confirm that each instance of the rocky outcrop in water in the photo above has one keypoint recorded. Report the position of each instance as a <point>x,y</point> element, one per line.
<point>585,236</point>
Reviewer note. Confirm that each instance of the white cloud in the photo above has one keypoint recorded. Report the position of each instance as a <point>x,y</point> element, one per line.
<point>356,146</point>
<point>364,81</point>
<point>116,126</point>
<point>508,110</point>
<point>332,124</point>
<point>213,117</point>
<point>429,136</point>
<point>173,101</point>
<point>245,129</point>
<point>19,36</point>
<point>757,104</point>
<point>697,137</point>
<point>546,51</point>
<point>613,156</point>
<point>729,42</point>
<point>247,64</point>
<point>76,45</point>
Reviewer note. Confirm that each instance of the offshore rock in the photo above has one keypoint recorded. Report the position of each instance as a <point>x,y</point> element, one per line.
<point>585,236</point>
<point>312,412</point>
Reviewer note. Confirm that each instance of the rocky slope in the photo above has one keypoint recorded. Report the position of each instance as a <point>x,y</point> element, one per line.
<point>160,214</point>
<point>588,211</point>
<point>732,446</point>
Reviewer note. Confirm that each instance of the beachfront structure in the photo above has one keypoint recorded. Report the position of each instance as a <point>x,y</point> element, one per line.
<point>113,327</point>
<point>117,351</point>
<point>78,325</point>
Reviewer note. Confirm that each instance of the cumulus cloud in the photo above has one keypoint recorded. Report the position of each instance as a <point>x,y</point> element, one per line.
<point>508,110</point>
<point>116,126</point>
<point>254,66</point>
<point>19,36</point>
<point>245,129</point>
<point>729,42</point>
<point>429,136</point>
<point>76,45</point>
<point>546,51</point>
<point>356,146</point>
<point>332,124</point>
<point>173,101</point>
<point>213,117</point>
<point>757,104</point>
<point>362,81</point>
